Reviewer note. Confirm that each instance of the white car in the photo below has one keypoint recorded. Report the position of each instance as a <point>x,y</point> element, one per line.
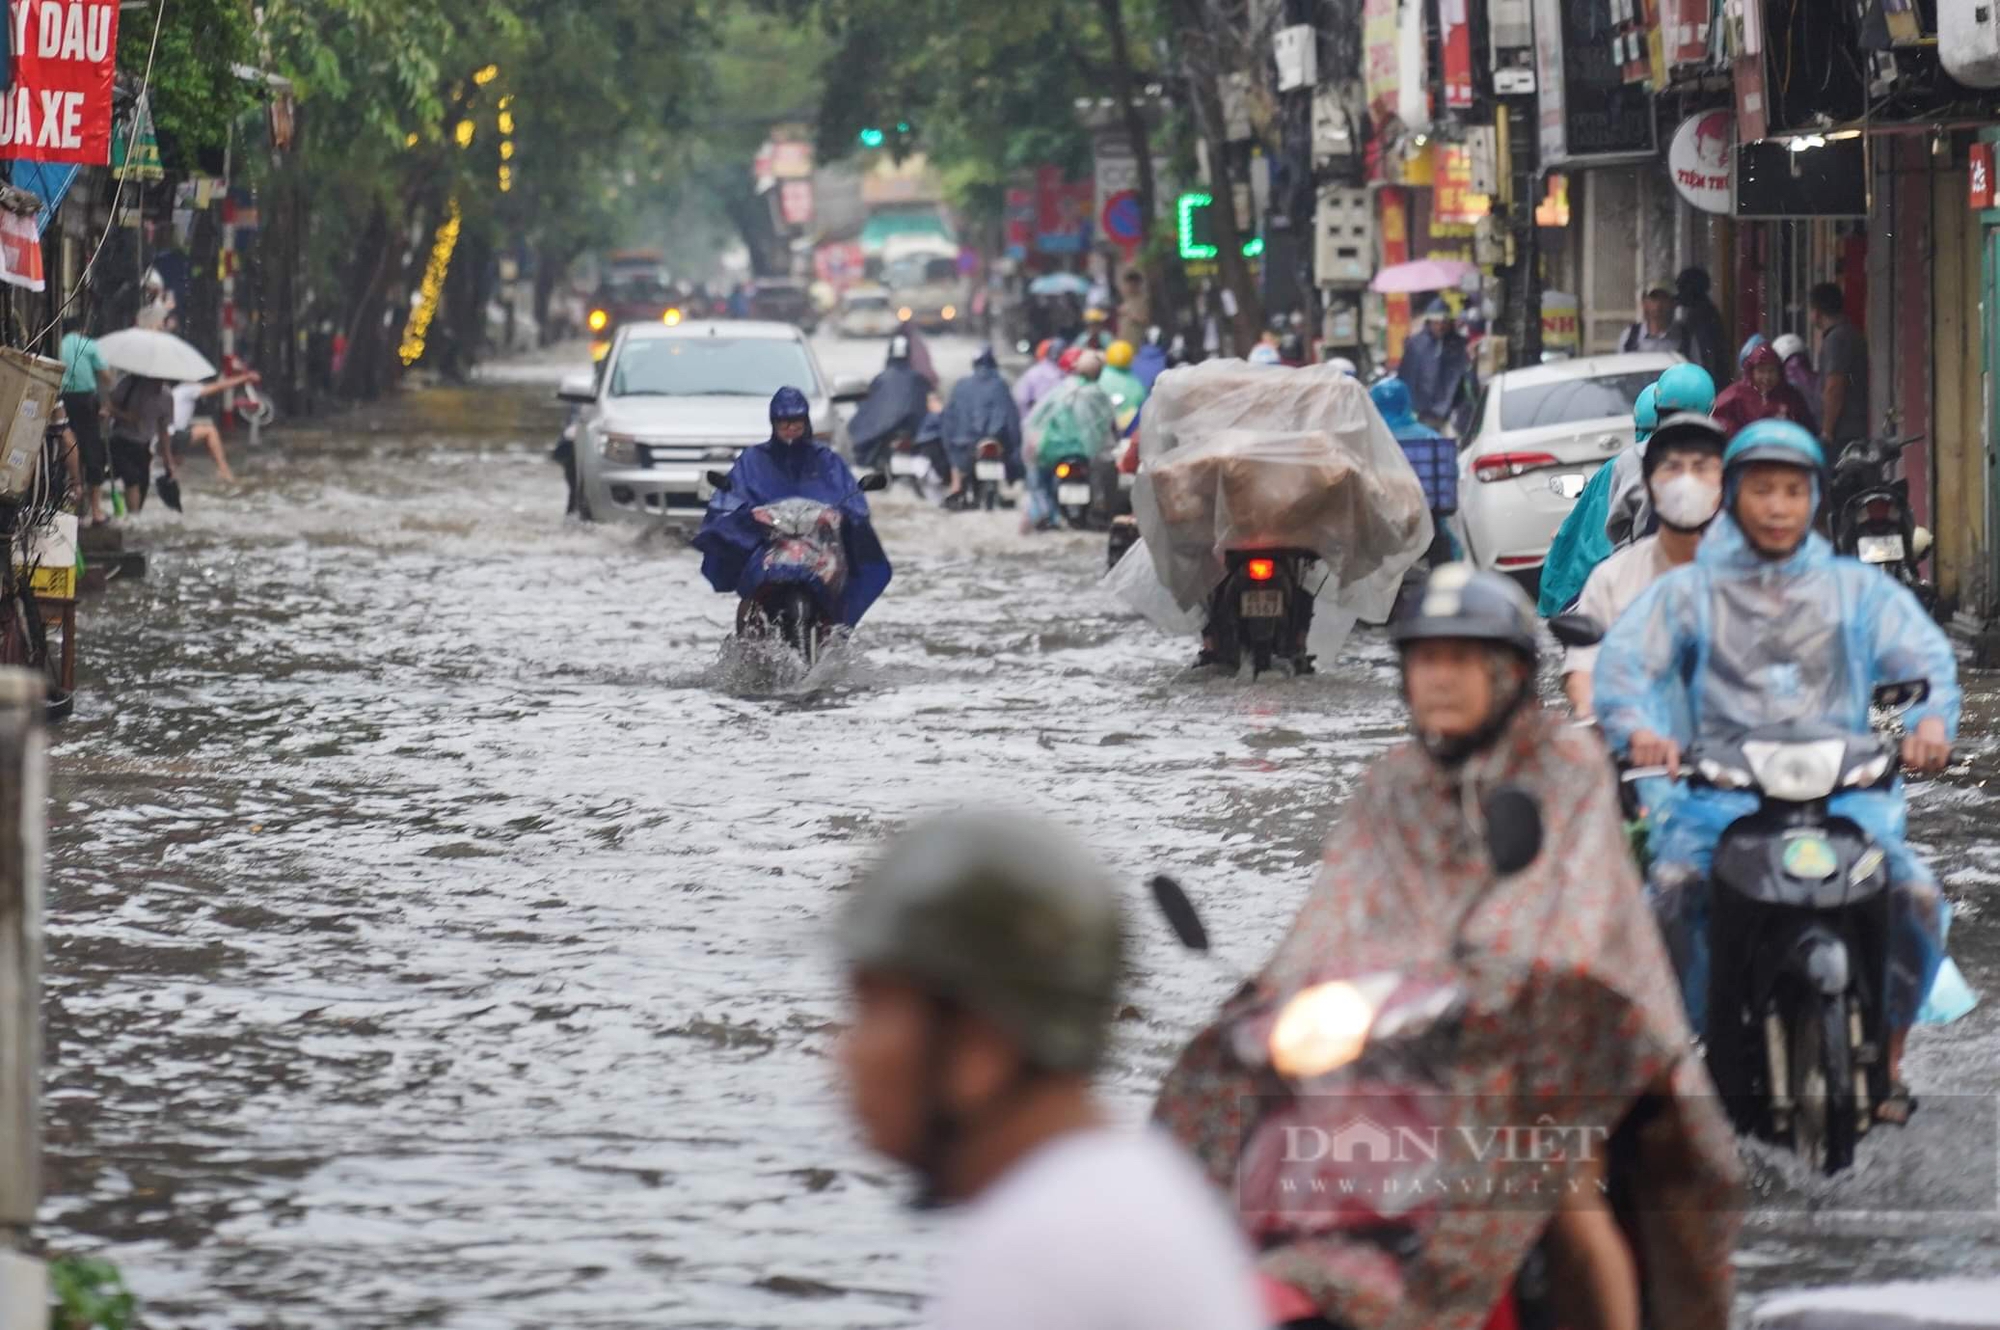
<point>1537,437</point>
<point>670,403</point>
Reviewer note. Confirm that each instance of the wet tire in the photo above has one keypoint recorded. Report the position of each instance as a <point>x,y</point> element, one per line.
<point>1824,1125</point>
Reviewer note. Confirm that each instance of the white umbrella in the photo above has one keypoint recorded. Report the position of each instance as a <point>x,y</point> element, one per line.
<point>157,355</point>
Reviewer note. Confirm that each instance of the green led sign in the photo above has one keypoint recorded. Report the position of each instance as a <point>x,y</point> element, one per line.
<point>1197,233</point>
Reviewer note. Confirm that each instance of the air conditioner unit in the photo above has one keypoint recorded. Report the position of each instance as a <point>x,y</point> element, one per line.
<point>1969,41</point>
<point>1296,50</point>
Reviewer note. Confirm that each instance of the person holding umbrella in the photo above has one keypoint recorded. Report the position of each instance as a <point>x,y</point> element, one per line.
<point>142,407</point>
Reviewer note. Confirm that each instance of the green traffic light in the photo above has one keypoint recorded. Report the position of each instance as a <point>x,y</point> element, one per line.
<point>870,138</point>
<point>902,126</point>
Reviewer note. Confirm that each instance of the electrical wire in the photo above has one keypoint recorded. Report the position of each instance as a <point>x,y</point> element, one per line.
<point>118,194</point>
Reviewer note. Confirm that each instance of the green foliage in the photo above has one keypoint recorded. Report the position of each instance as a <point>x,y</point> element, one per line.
<point>90,1294</point>
<point>195,93</point>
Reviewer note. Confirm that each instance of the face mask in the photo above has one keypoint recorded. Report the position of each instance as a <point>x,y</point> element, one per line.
<point>1687,503</point>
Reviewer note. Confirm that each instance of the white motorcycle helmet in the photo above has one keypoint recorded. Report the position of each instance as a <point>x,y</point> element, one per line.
<point>1789,345</point>
<point>1346,366</point>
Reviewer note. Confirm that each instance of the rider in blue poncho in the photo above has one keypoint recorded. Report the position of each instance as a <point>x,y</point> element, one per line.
<point>981,408</point>
<point>1769,625</point>
<point>790,464</point>
<point>1432,456</point>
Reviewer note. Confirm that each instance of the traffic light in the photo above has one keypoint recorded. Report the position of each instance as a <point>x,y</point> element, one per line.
<point>870,137</point>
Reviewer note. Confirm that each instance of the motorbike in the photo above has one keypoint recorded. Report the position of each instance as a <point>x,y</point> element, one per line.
<point>799,572</point>
<point>1798,930</point>
<point>1124,525</point>
<point>1261,611</point>
<point>1069,479</point>
<point>1871,515</point>
<point>1315,1171</point>
<point>989,473</point>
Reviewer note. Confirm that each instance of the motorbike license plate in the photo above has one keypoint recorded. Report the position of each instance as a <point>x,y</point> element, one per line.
<point>1879,549</point>
<point>1569,484</point>
<point>1268,604</point>
<point>1073,496</point>
<point>904,464</point>
<point>990,470</point>
<point>1126,481</point>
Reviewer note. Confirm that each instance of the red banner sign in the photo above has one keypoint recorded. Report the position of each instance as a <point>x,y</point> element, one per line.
<point>1457,54</point>
<point>1979,175</point>
<point>59,109</point>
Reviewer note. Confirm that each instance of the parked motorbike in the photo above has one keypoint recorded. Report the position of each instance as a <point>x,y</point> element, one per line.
<point>799,573</point>
<point>1871,513</point>
<point>1798,932</point>
<point>1069,478</point>
<point>1261,611</point>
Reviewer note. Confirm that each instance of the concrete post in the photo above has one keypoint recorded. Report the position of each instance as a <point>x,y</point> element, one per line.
<point>22,697</point>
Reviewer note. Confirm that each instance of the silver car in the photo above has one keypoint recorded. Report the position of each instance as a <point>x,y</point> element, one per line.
<point>669,404</point>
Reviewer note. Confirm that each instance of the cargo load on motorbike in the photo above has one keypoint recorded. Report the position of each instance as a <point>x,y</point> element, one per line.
<point>1234,457</point>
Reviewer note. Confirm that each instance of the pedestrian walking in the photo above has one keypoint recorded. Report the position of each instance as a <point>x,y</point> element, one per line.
<point>86,381</point>
<point>1843,369</point>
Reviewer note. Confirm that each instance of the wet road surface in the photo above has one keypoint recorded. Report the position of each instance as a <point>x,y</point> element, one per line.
<point>437,930</point>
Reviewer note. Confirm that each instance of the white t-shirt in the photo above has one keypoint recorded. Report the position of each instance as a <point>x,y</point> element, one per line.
<point>1105,1229</point>
<point>1613,586</point>
<point>186,396</point>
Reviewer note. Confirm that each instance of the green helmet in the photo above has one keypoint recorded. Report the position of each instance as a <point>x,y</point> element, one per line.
<point>1004,917</point>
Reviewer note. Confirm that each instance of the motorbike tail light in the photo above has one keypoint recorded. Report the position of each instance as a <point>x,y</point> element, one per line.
<point>1505,466</point>
<point>1063,470</point>
<point>905,446</point>
<point>989,450</point>
<point>1261,570</point>
<point>1880,510</point>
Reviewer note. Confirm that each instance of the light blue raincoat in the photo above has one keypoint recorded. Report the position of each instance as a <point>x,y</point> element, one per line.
<point>1735,641</point>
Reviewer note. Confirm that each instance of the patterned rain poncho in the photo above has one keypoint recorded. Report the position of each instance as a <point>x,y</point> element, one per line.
<point>1574,1016</point>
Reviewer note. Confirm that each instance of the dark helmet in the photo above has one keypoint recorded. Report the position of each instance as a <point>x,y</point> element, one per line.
<point>1001,917</point>
<point>986,359</point>
<point>790,404</point>
<point>1461,602</point>
<point>1684,431</point>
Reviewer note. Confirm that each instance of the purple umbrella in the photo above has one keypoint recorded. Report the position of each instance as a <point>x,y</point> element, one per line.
<point>1422,275</point>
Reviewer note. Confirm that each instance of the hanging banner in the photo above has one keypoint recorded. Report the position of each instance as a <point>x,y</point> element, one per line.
<point>1384,60</point>
<point>1457,53</point>
<point>59,109</point>
<point>135,148</point>
<point>1685,24</point>
<point>1752,114</point>
<point>1393,226</point>
<point>1589,111</point>
<point>1062,212</point>
<point>20,251</point>
<point>1455,206</point>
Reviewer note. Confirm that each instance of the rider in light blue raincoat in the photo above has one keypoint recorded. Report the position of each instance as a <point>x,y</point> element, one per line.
<point>1769,625</point>
<point>789,465</point>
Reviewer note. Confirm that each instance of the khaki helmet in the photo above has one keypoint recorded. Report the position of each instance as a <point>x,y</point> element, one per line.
<point>1003,917</point>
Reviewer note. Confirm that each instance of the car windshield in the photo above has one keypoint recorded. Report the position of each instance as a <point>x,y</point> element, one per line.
<point>868,302</point>
<point>1570,401</point>
<point>711,366</point>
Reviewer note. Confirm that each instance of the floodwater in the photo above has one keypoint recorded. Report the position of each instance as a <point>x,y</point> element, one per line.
<point>438,920</point>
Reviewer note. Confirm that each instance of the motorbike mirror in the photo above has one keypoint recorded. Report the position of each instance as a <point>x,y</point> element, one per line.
<point>874,481</point>
<point>1513,829</point>
<point>1901,695</point>
<point>1577,630</point>
<point>718,480</point>
<point>1180,913</point>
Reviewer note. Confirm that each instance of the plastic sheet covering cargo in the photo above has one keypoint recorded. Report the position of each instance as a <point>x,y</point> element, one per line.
<point>1236,456</point>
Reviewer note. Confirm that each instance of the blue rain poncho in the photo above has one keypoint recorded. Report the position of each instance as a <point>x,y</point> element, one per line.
<point>1148,364</point>
<point>897,402</point>
<point>1733,642</point>
<point>981,407</point>
<point>1432,456</point>
<point>730,536</point>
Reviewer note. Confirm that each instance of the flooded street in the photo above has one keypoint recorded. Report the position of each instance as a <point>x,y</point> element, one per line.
<point>438,930</point>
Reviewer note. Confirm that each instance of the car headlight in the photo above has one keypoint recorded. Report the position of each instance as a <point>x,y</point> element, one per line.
<point>1796,772</point>
<point>950,312</point>
<point>618,449</point>
<point>904,314</point>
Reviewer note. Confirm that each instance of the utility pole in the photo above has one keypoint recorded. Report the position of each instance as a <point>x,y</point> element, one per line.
<point>23,1282</point>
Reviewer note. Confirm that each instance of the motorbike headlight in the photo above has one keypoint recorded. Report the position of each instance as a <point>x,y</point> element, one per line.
<point>1796,772</point>
<point>1868,772</point>
<point>618,449</point>
<point>1321,1029</point>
